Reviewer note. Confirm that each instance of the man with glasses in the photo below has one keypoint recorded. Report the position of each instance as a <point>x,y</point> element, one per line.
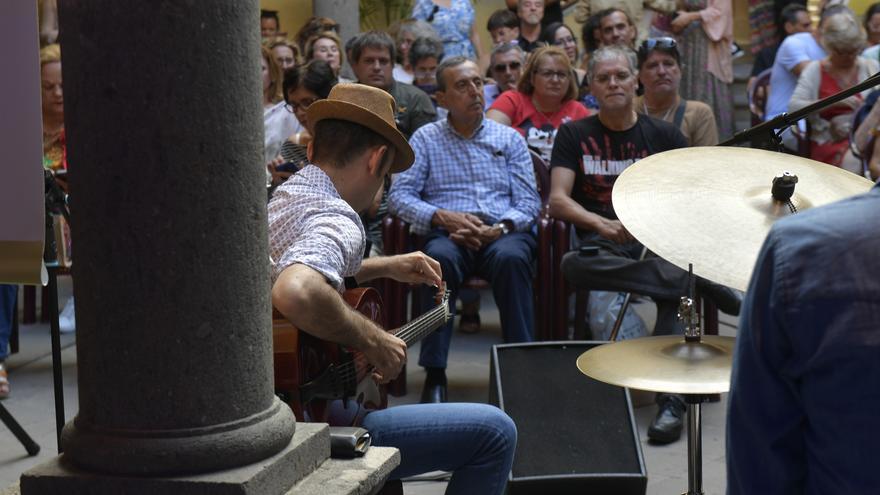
<point>471,191</point>
<point>424,55</point>
<point>588,156</point>
<point>506,63</point>
<point>372,60</point>
<point>660,75</point>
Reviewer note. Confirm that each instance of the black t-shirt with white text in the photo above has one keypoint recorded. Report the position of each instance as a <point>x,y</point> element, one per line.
<point>598,155</point>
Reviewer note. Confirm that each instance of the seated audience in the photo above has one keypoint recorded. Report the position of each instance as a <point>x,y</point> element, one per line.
<point>313,27</point>
<point>530,13</point>
<point>804,402</point>
<point>505,67</point>
<point>303,85</point>
<point>794,18</point>
<point>425,55</point>
<point>408,31</point>
<point>544,99</point>
<point>270,26</point>
<point>643,13</point>
<point>660,75</point>
<point>286,54</point>
<point>54,151</point>
<point>588,156</point>
<point>843,40</point>
<point>795,52</point>
<point>453,20</point>
<point>326,46</point>
<point>864,139</point>
<point>316,241</point>
<point>278,123</point>
<point>471,191</point>
<point>872,24</point>
<point>372,54</point>
<point>558,34</point>
<point>503,27</point>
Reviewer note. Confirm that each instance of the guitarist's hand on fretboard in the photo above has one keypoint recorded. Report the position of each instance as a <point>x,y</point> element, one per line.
<point>387,355</point>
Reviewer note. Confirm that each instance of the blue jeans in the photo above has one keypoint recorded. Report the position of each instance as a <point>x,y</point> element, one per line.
<point>474,441</point>
<point>506,264</point>
<point>7,313</point>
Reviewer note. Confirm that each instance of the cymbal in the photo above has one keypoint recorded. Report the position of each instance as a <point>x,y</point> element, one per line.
<point>663,364</point>
<point>711,206</point>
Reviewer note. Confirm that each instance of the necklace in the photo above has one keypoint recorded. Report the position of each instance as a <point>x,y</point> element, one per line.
<point>665,115</point>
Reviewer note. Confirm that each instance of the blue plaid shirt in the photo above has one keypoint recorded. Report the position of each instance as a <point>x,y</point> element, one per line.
<point>489,175</point>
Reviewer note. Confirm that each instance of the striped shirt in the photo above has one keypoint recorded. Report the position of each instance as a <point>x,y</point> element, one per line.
<point>489,175</point>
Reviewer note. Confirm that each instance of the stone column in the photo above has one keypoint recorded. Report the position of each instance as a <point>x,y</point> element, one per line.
<point>164,136</point>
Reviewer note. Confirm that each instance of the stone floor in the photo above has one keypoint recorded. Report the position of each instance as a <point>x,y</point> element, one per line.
<point>33,405</point>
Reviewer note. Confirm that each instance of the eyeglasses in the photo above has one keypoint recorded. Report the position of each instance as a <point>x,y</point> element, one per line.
<point>294,107</point>
<point>550,74</point>
<point>504,67</point>
<point>664,43</point>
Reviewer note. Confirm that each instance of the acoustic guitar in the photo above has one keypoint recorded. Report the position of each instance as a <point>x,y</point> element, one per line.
<point>328,383</point>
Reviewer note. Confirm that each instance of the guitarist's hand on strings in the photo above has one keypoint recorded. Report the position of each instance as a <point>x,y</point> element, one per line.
<point>387,355</point>
<point>416,268</point>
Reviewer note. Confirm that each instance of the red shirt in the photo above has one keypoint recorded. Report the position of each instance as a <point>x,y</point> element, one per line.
<point>538,128</point>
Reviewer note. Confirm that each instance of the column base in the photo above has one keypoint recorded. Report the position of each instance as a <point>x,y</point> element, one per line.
<point>179,452</point>
<point>308,449</point>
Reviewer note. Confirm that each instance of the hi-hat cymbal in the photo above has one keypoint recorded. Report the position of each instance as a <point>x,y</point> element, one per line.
<point>711,206</point>
<point>663,364</point>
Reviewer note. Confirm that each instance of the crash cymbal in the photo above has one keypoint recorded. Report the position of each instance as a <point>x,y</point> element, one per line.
<point>663,364</point>
<point>711,206</point>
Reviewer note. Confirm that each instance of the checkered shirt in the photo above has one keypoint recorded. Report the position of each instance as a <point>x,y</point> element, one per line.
<point>489,175</point>
<point>310,223</point>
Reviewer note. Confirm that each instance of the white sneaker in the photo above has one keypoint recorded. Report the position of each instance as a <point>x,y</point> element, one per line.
<point>67,318</point>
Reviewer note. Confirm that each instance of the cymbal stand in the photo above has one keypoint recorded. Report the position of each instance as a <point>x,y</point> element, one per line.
<point>687,312</point>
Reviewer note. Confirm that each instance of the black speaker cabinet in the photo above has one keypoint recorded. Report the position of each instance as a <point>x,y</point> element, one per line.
<point>576,435</point>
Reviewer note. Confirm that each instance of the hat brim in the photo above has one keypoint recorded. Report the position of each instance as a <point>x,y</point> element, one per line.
<point>343,110</point>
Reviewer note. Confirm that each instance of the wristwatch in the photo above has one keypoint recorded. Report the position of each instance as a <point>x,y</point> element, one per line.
<point>503,225</point>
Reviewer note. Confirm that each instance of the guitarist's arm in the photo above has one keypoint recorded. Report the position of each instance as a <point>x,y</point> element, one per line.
<point>308,301</point>
<point>414,268</point>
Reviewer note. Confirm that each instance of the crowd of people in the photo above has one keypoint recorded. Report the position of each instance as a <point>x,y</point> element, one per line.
<point>445,134</point>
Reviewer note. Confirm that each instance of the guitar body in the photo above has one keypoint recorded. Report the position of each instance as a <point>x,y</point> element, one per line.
<point>319,379</point>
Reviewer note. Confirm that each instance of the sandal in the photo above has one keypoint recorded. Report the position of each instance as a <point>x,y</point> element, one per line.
<point>4,382</point>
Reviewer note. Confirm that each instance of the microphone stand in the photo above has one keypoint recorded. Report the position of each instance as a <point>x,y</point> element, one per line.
<point>766,134</point>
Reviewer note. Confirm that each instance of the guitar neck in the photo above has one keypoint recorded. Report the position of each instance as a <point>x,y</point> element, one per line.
<point>422,326</point>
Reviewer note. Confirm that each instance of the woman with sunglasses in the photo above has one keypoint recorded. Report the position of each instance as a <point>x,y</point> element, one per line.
<point>660,75</point>
<point>303,85</point>
<point>544,99</point>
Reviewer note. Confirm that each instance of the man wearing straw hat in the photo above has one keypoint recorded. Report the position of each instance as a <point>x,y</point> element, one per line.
<point>317,239</point>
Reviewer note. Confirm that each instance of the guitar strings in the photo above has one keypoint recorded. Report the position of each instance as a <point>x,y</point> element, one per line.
<point>420,327</point>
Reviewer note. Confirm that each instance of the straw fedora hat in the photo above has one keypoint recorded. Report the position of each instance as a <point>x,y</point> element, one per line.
<point>370,107</point>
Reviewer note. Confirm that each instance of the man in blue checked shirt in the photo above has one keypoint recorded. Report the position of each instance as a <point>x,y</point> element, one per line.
<point>472,192</point>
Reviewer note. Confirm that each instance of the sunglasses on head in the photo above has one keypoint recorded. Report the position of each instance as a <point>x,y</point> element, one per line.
<point>664,43</point>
